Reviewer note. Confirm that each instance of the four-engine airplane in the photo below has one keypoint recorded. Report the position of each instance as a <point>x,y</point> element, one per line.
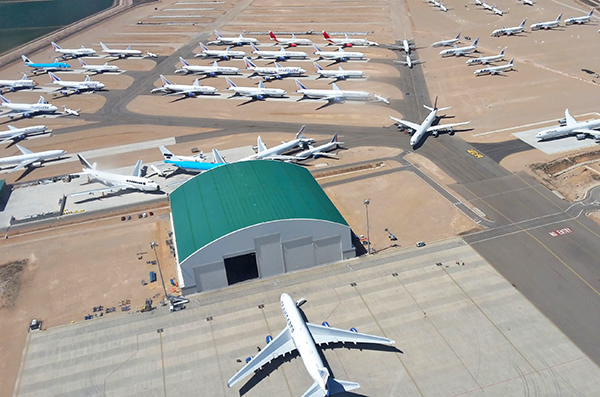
<point>14,85</point>
<point>73,52</point>
<point>347,41</point>
<point>26,109</point>
<point>45,67</point>
<point>128,52</point>
<point>225,54</point>
<point>277,72</point>
<point>186,90</point>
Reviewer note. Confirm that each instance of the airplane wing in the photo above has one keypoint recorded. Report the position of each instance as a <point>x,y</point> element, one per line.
<point>109,189</point>
<point>322,334</point>
<point>587,131</point>
<point>442,127</point>
<point>10,138</point>
<point>24,164</point>
<point>12,114</point>
<point>410,125</point>
<point>325,154</point>
<point>279,346</point>
<point>137,171</point>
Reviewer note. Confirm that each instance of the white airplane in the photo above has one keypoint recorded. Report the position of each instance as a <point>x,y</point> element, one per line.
<point>407,46</point>
<point>339,55</point>
<point>276,152</point>
<point>498,11</point>
<point>116,182</point>
<point>18,134</point>
<point>186,90</point>
<point>73,52</point>
<point>151,54</point>
<point>99,68</point>
<point>70,112</point>
<point>76,86</point>
<point>445,43</point>
<point>211,71</point>
<point>277,72</point>
<point>225,55</point>
<point>495,69</point>
<point>509,31</point>
<point>581,129</point>
<point>304,337</point>
<point>321,151</point>
<point>459,51</point>
<point>14,85</point>
<point>579,20</point>
<point>26,109</point>
<point>281,55</point>
<point>409,61</point>
<point>547,25</point>
<point>486,60</point>
<point>259,93</point>
<point>425,128</point>
<point>27,158</point>
<point>486,6</point>
<point>528,3</point>
<point>293,42</point>
<point>347,41</point>
<point>339,74</point>
<point>442,7</point>
<point>238,41</point>
<point>128,52</point>
<point>335,95</point>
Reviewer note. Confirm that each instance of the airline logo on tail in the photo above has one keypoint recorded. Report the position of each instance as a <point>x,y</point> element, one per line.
<point>317,66</point>
<point>56,47</point>
<point>183,62</point>
<point>326,36</point>
<point>4,100</point>
<point>249,64</point>
<point>218,34</point>
<point>299,85</point>
<point>164,80</point>
<point>204,48</point>
<point>229,83</point>
<point>25,59</point>
<point>273,37</point>
<point>53,77</point>
<point>82,63</point>
<point>317,49</point>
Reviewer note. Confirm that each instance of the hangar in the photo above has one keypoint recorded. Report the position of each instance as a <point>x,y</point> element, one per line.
<point>253,219</point>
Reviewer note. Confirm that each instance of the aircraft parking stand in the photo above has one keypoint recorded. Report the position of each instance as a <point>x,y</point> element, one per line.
<point>461,330</point>
<point>555,145</point>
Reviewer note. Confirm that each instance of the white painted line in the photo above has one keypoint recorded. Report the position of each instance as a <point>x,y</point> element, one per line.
<point>557,193</point>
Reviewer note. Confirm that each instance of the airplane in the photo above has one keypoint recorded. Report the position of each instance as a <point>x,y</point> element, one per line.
<point>211,71</point>
<point>70,112</point>
<point>116,182</point>
<point>547,25</point>
<point>445,43</point>
<point>458,51</point>
<point>442,7</point>
<point>581,129</point>
<point>191,163</point>
<point>347,41</point>
<point>509,31</point>
<point>128,52</point>
<point>498,11</point>
<point>14,85</point>
<point>486,6</point>
<point>151,54</point>
<point>26,109</point>
<point>486,60</point>
<point>579,20</point>
<point>410,62</point>
<point>277,72</point>
<point>339,74</point>
<point>45,66</point>
<point>304,337</point>
<point>258,93</point>
<point>527,2</point>
<point>27,158</point>
<point>281,55</point>
<point>407,46</point>
<point>495,69</point>
<point>237,41</point>
<point>76,86</point>
<point>73,52</point>
<point>99,68</point>
<point>321,151</point>
<point>334,95</point>
<point>293,42</point>
<point>339,55</point>
<point>276,152</point>
<point>225,55</point>
<point>425,128</point>
<point>18,134</point>
<point>186,90</point>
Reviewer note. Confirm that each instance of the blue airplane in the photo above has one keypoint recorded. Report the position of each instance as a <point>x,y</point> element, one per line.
<point>192,163</point>
<point>45,66</point>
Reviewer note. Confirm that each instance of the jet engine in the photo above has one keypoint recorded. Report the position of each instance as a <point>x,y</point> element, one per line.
<point>581,137</point>
<point>260,97</point>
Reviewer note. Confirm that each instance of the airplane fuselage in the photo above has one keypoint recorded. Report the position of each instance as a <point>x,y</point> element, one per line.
<point>458,51</point>
<point>49,66</point>
<point>40,157</point>
<point>484,60</point>
<point>81,52</point>
<point>80,85</point>
<point>258,92</point>
<point>286,71</point>
<point>31,107</point>
<point>340,55</point>
<point>422,130</point>
<point>280,54</point>
<point>558,132</point>
<point>339,74</point>
<point>193,166</point>
<point>445,43</point>
<point>210,70</point>
<point>276,150</point>
<point>36,129</point>
<point>341,94</point>
<point>186,89</point>
<point>101,68</point>
<point>236,40</point>
<point>134,182</point>
<point>15,84</point>
<point>222,54</point>
<point>492,70</point>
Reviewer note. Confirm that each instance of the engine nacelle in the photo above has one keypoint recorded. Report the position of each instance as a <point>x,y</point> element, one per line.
<point>238,44</point>
<point>12,89</point>
<point>343,59</point>
<point>78,91</point>
<point>342,78</point>
<point>37,164</point>
<point>191,94</point>
<point>260,97</point>
<point>248,359</point>
<point>581,137</point>
<point>338,100</point>
<point>326,324</point>
<point>27,115</point>
<point>269,339</point>
<point>212,74</point>
<point>64,92</point>
<point>348,45</point>
<point>281,58</point>
<point>21,137</point>
<point>436,134</point>
<point>226,58</point>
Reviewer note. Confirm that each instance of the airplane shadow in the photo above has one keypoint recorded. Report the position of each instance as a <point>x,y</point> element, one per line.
<point>325,105</point>
<point>109,195</point>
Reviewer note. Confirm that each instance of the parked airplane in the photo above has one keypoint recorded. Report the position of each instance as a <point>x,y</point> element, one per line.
<point>151,54</point>
<point>211,71</point>
<point>76,86</point>
<point>498,11</point>
<point>26,109</point>
<point>458,51</point>
<point>277,72</point>
<point>339,74</point>
<point>304,337</point>
<point>579,20</point>
<point>407,46</point>
<point>445,43</point>
<point>44,67</point>
<point>281,55</point>
<point>73,52</point>
<point>321,151</point>
<point>225,54</point>
<point>442,7</point>
<point>259,93</point>
<point>190,163</point>
<point>425,128</point>
<point>115,182</point>
<point>186,90</point>
<point>18,134</point>
<point>581,129</point>
<point>27,158</point>
<point>70,112</point>
<point>527,2</point>
<point>339,55</point>
<point>486,6</point>
<point>347,41</point>
<point>547,25</point>
<point>14,85</point>
<point>277,152</point>
<point>495,69</point>
<point>335,95</point>
<point>238,41</point>
<point>486,60</point>
<point>293,42</point>
<point>509,31</point>
<point>99,68</point>
<point>128,52</point>
<point>409,61</point>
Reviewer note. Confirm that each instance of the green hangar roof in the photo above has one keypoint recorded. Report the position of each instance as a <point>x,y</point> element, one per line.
<point>234,196</point>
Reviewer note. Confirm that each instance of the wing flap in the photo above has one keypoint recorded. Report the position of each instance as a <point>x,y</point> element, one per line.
<point>323,334</point>
<point>410,125</point>
<point>23,164</point>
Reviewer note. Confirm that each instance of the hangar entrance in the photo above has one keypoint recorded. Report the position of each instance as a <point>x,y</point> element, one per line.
<point>241,268</point>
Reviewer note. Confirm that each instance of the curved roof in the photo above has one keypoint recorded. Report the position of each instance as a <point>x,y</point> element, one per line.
<point>234,196</point>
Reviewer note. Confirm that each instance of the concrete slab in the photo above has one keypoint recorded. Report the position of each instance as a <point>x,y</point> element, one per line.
<point>553,146</point>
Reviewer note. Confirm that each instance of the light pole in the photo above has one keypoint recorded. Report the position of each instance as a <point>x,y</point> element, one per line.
<point>366,203</point>
<point>153,245</point>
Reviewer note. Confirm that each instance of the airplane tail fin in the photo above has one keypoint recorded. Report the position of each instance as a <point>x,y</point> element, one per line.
<point>299,85</point>
<point>255,48</point>
<point>218,34</point>
<point>249,64</point>
<point>41,100</point>
<point>10,127</point>
<point>217,158</point>
<point>53,77</point>
<point>475,42</point>
<point>82,63</point>
<point>104,47</point>
<point>85,163</point>
<point>215,64</point>
<point>260,145</point>
<point>87,78</point>
<point>204,48</point>
<point>229,83</point>
<point>300,133</point>
<point>196,83</point>
<point>317,67</point>
<point>559,17</point>
<point>326,36</point>
<point>591,13</point>
<point>278,65</point>
<point>272,36</point>
<point>458,36</point>
<point>502,52</point>
<point>570,119</point>
<point>261,85</point>
<point>164,80</point>
<point>24,77</point>
<point>4,100</point>
<point>317,49</point>
<point>167,154</point>
<point>335,138</point>
<point>335,87</point>
<point>183,62</point>
<point>25,59</point>
<point>512,61</point>
<point>55,46</point>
